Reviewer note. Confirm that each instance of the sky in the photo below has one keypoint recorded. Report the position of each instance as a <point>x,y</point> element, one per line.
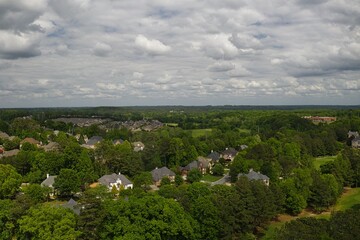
<point>73,53</point>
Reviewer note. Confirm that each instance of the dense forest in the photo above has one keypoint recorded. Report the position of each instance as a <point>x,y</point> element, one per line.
<point>277,142</point>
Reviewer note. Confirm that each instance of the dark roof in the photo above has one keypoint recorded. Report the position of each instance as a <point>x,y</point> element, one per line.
<point>120,141</point>
<point>159,173</point>
<point>214,156</point>
<point>107,179</point>
<point>190,166</point>
<point>72,205</point>
<point>94,140</point>
<point>230,151</point>
<point>252,175</point>
<point>48,181</point>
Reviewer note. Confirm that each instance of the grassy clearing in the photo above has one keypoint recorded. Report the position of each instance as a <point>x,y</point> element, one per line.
<point>243,130</point>
<point>322,160</point>
<point>172,124</point>
<point>210,178</point>
<point>350,197</point>
<point>200,132</point>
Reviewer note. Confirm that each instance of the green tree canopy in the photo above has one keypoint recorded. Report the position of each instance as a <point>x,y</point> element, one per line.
<point>67,182</point>
<point>10,181</point>
<point>46,221</point>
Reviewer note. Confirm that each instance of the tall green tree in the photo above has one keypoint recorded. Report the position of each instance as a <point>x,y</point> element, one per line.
<point>10,181</point>
<point>45,221</point>
<point>67,182</point>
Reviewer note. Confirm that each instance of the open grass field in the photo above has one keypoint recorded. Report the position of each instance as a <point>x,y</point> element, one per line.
<point>349,198</point>
<point>322,160</point>
<point>200,132</point>
<point>172,124</point>
<point>210,178</point>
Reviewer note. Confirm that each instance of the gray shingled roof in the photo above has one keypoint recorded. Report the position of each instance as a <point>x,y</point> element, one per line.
<point>49,182</point>
<point>72,205</point>
<point>94,140</point>
<point>214,156</point>
<point>107,179</point>
<point>230,151</point>
<point>190,166</point>
<point>252,175</point>
<point>159,173</point>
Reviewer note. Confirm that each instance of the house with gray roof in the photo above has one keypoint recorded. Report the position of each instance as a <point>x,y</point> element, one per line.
<point>252,175</point>
<point>355,143</point>
<point>159,173</point>
<point>214,156</point>
<point>73,206</point>
<point>92,142</point>
<point>229,154</point>
<point>119,181</point>
<point>49,182</point>
<point>138,146</point>
<point>202,164</point>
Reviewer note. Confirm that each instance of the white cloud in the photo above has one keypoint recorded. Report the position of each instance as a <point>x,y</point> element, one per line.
<point>207,52</point>
<point>102,49</point>
<point>221,67</point>
<point>151,46</point>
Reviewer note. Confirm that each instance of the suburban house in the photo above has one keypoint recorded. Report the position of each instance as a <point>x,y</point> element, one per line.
<point>202,164</point>
<point>252,175</point>
<point>138,146</point>
<point>214,156</point>
<point>118,181</point>
<point>31,141</point>
<point>355,143</point>
<point>92,142</point>
<point>73,206</point>
<point>159,173</point>
<point>10,153</point>
<point>51,146</point>
<point>49,182</point>
<point>353,134</point>
<point>118,141</point>
<point>4,135</point>
<point>229,154</point>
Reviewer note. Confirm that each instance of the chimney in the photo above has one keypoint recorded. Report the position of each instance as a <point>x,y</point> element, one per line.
<point>119,173</point>
<point>212,151</point>
<point>47,175</point>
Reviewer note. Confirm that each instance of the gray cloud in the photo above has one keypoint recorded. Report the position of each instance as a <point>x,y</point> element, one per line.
<point>84,52</point>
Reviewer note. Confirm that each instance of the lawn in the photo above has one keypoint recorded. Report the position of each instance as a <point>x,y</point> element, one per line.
<point>172,124</point>
<point>350,197</point>
<point>210,178</point>
<point>322,160</point>
<point>200,132</point>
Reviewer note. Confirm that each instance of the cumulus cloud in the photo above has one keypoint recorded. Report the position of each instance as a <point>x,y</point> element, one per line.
<point>83,52</point>
<point>102,49</point>
<point>151,46</point>
<point>219,47</point>
<point>13,46</point>
<point>221,67</point>
<point>19,33</point>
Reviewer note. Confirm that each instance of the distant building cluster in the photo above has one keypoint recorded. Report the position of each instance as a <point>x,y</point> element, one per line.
<point>317,119</point>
